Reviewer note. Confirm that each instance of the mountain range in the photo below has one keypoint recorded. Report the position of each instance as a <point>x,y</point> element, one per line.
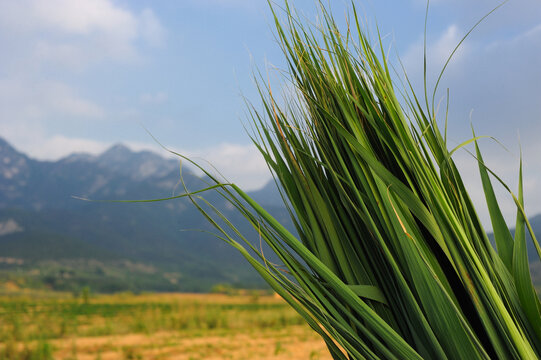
<point>50,239</point>
<point>62,242</point>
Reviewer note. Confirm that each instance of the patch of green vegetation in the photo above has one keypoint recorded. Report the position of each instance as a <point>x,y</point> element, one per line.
<point>27,319</point>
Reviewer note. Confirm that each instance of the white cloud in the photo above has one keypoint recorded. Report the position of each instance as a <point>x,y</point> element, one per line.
<point>69,55</point>
<point>443,47</point>
<point>23,100</point>
<point>83,27</point>
<point>153,98</point>
<point>241,164</point>
<point>535,31</point>
<point>246,4</point>
<point>437,53</point>
<point>152,30</point>
<point>38,144</point>
<point>59,146</point>
<point>79,33</point>
<point>34,141</point>
<point>63,99</point>
<point>82,17</point>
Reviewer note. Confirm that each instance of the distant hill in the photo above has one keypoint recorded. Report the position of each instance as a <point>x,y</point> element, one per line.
<point>53,234</point>
<point>536,227</point>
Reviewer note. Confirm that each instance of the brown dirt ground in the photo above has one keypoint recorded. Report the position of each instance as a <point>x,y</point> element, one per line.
<point>295,342</point>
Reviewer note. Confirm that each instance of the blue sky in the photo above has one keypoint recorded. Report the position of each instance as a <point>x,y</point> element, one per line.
<point>83,75</point>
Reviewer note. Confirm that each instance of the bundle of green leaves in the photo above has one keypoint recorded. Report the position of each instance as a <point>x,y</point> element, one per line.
<point>391,260</point>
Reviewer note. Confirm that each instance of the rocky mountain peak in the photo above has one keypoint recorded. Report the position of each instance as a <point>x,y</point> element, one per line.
<point>6,150</point>
<point>116,153</point>
<point>136,165</point>
<point>13,164</point>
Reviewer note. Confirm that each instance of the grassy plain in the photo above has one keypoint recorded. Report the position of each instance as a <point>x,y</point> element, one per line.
<point>38,326</point>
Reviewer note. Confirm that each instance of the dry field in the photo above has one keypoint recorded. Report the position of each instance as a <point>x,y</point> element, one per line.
<point>154,326</point>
